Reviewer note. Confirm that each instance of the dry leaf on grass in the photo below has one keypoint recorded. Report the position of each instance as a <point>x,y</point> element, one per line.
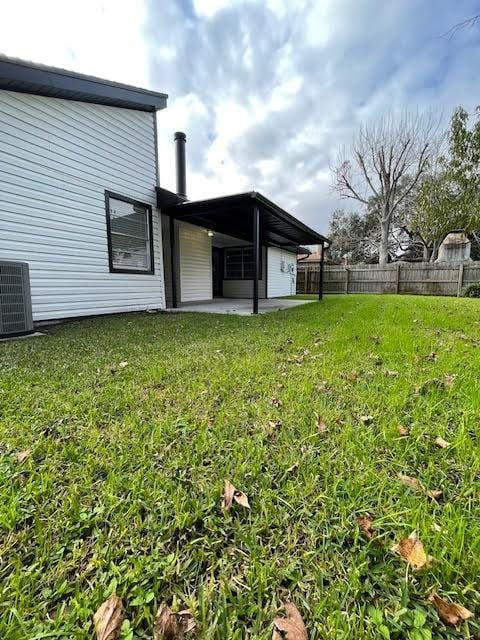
<point>290,627</point>
<point>108,619</point>
<point>123,364</point>
<point>321,426</point>
<point>294,467</point>
<point>366,525</point>
<point>416,485</point>
<point>411,549</point>
<point>403,431</point>
<point>440,442</point>
<point>275,402</point>
<point>412,483</point>
<point>172,626</point>
<point>366,419</point>
<point>450,612</point>
<point>391,374</point>
<point>23,455</point>
<point>230,493</point>
<point>449,379</point>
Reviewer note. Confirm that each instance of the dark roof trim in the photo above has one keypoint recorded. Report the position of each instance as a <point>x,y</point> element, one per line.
<point>274,208</point>
<point>39,79</point>
<point>193,206</point>
<point>304,252</point>
<point>166,198</point>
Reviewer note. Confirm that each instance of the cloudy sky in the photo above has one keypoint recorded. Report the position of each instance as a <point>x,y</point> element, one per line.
<point>266,90</point>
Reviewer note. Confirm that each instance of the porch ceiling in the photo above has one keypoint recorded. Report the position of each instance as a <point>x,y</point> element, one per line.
<point>231,215</point>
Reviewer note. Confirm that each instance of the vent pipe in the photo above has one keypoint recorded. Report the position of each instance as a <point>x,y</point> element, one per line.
<point>180,139</point>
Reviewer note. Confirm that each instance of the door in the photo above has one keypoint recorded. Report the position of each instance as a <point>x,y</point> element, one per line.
<point>217,272</point>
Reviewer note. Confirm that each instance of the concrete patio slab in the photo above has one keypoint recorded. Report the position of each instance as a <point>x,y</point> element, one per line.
<point>238,306</point>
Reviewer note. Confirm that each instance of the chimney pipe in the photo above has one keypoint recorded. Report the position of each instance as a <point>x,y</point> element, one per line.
<point>180,139</point>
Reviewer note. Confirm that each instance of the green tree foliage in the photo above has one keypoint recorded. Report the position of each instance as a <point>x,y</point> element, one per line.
<point>353,236</point>
<point>449,197</point>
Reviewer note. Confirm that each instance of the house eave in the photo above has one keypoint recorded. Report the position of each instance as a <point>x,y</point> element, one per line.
<point>29,77</point>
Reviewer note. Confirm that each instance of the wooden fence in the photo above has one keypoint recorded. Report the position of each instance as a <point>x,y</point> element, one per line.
<point>398,277</point>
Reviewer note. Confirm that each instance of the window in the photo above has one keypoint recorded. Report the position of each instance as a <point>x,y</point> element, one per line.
<point>129,228</point>
<point>239,264</point>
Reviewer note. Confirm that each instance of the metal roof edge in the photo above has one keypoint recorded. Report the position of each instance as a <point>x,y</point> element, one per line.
<point>23,75</point>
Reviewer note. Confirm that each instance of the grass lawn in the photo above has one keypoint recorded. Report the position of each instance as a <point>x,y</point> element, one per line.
<point>119,490</point>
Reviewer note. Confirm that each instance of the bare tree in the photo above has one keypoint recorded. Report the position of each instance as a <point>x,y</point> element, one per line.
<point>379,161</point>
<point>469,23</point>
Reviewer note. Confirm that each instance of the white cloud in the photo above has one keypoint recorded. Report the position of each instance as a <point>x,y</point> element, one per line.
<point>100,38</point>
<point>266,90</point>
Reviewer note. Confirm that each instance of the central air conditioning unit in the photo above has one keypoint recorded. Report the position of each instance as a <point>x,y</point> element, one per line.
<point>15,299</point>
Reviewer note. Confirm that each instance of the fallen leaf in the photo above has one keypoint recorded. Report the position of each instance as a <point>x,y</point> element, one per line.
<point>450,612</point>
<point>293,467</point>
<point>352,376</point>
<point>227,498</point>
<point>366,525</point>
<point>391,374</point>
<point>241,499</point>
<point>449,379</point>
<point>276,402</point>
<point>412,483</point>
<point>403,431</point>
<point>440,442</point>
<point>23,455</point>
<point>172,626</point>
<point>123,364</point>
<point>429,384</point>
<point>366,419</point>
<point>411,549</point>
<point>274,425</point>
<point>432,357</point>
<point>321,426</point>
<point>290,627</point>
<point>108,619</point>
<point>230,493</point>
<point>435,494</point>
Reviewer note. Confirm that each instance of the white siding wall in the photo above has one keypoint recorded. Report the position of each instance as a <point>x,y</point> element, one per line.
<point>195,249</point>
<point>281,283</point>
<point>57,157</point>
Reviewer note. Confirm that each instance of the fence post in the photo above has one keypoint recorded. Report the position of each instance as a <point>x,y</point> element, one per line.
<point>460,280</point>
<point>346,279</point>
<point>397,282</point>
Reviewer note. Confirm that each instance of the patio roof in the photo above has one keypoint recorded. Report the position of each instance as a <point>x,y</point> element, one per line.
<point>232,215</point>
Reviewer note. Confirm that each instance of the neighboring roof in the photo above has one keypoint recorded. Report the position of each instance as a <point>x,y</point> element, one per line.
<point>315,256</point>
<point>39,79</point>
<point>303,251</point>
<point>230,215</point>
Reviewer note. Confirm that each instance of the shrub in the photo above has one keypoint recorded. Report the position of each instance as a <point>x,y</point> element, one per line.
<point>472,291</point>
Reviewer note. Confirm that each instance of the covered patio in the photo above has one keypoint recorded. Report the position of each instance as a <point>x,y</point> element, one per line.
<point>239,306</point>
<point>250,218</point>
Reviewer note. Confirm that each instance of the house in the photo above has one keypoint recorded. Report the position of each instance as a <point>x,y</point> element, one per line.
<point>81,203</point>
<point>313,256</point>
